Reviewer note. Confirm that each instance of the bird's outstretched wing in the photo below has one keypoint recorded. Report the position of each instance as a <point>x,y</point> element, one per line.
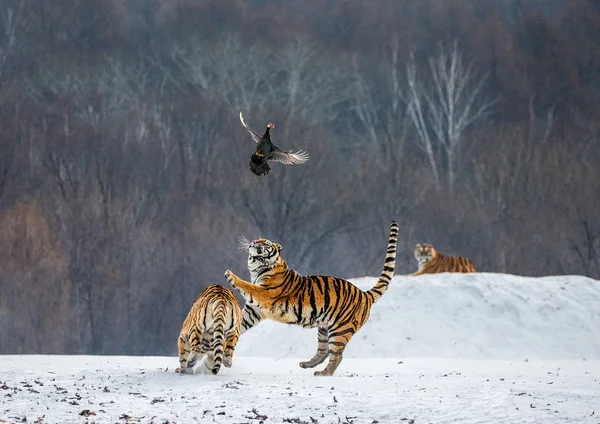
<point>289,158</point>
<point>254,135</point>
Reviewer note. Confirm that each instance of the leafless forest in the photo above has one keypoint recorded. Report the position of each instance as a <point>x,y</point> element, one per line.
<point>124,178</point>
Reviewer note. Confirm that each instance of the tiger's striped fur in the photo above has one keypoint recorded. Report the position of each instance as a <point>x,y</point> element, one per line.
<point>431,261</point>
<point>335,306</point>
<point>212,328</point>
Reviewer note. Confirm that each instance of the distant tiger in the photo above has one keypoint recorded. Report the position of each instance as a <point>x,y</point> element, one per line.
<point>431,261</point>
<point>212,328</point>
<point>335,306</point>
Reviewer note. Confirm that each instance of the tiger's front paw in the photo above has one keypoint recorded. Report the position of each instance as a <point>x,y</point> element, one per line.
<point>230,278</point>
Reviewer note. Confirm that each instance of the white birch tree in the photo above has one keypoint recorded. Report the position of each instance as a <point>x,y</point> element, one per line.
<point>443,106</point>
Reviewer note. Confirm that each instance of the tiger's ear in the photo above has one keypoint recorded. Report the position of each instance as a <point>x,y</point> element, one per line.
<point>278,246</point>
<point>418,246</point>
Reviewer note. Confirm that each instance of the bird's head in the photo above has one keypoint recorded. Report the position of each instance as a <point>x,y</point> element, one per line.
<point>270,125</point>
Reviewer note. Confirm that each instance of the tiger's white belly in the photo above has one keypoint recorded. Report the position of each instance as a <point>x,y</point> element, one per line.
<point>279,312</point>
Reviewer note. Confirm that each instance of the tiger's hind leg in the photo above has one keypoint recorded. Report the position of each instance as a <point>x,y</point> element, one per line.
<point>230,342</point>
<point>338,339</point>
<point>184,347</point>
<point>197,351</point>
<point>322,350</point>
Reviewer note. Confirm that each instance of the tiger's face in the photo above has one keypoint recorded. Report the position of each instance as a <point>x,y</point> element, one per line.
<point>424,252</point>
<point>262,254</point>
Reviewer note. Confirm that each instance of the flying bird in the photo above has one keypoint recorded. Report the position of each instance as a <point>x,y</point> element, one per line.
<point>266,150</point>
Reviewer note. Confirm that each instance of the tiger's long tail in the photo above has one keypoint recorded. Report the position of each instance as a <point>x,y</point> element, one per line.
<point>389,266</point>
<point>220,313</point>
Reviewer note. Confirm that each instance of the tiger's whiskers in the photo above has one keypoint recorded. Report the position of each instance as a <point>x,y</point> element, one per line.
<point>243,243</point>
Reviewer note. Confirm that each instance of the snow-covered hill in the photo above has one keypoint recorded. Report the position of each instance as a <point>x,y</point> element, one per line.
<point>475,316</point>
<point>485,348</point>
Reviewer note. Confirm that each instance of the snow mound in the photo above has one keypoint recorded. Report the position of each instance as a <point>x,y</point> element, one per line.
<point>472,316</point>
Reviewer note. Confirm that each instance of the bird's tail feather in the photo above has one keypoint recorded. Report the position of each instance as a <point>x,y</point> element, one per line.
<point>260,168</point>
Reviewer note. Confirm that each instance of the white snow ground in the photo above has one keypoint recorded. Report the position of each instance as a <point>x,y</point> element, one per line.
<point>478,348</point>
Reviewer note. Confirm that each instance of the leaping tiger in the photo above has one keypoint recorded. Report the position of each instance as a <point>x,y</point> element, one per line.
<point>337,307</point>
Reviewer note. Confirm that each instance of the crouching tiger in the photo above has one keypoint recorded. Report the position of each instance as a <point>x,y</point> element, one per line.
<point>431,261</point>
<point>335,306</point>
<point>212,328</point>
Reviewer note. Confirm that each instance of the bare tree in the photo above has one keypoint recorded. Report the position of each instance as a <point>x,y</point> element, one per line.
<point>380,107</point>
<point>586,245</point>
<point>443,107</point>
<point>227,72</point>
<point>13,25</point>
<point>308,87</point>
<point>535,123</point>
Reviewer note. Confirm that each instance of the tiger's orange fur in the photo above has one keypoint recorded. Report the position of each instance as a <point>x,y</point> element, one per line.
<point>431,261</point>
<point>335,306</point>
<point>211,328</point>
